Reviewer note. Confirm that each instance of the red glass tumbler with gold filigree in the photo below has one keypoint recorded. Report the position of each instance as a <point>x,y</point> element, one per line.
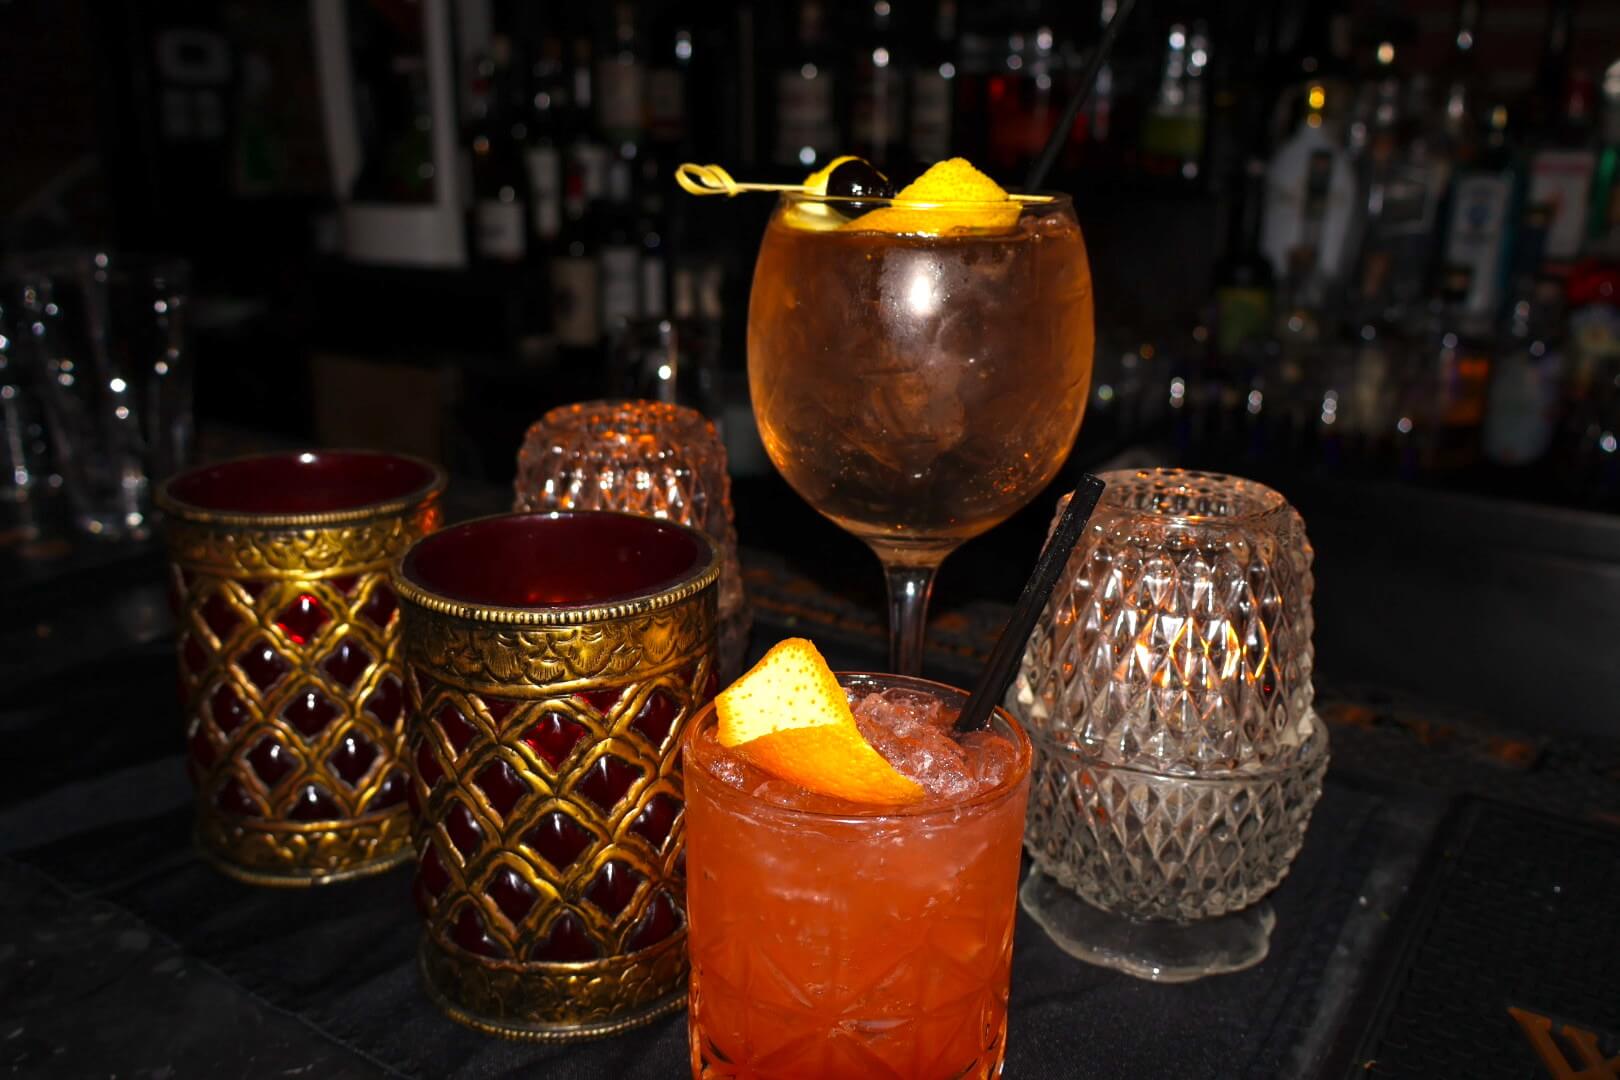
<point>290,657</point>
<point>553,661</point>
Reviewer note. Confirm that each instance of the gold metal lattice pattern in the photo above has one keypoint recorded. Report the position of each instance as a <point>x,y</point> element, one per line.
<point>550,845</point>
<point>291,675</point>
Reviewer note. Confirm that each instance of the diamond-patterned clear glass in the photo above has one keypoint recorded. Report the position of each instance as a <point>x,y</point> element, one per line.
<point>1167,690</point>
<point>641,457</point>
<point>1179,637</point>
<point>1148,845</point>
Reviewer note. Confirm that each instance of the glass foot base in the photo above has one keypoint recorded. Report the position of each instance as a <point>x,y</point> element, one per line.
<point>1148,949</point>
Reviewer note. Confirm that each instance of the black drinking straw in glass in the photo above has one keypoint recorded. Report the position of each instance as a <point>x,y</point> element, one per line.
<point>998,671</point>
<point>1004,655</point>
<point>1060,134</point>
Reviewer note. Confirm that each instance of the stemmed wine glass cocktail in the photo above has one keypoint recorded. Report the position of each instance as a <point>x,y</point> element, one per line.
<point>919,380</point>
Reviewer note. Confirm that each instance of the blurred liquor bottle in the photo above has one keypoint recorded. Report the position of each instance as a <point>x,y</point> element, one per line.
<point>651,231</point>
<point>588,152</point>
<point>572,269</point>
<point>672,49</point>
<point>669,66</point>
<point>1603,220</point>
<point>549,109</point>
<point>1022,101</point>
<point>619,253</point>
<point>1526,377</point>
<point>1401,184</point>
<point>498,137</point>
<point>1172,136</point>
<point>1459,370</point>
<point>1558,124</point>
<point>933,89</point>
<point>1587,454</point>
<point>1310,192</point>
<point>1310,185</point>
<point>1092,144</point>
<point>1479,231</point>
<point>619,82</point>
<point>1459,121</point>
<point>878,109</point>
<point>1311,69</point>
<point>807,94</point>
<point>1244,281</point>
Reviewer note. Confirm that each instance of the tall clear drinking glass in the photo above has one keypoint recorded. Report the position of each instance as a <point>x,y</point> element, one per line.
<point>920,384</point>
<point>104,334</point>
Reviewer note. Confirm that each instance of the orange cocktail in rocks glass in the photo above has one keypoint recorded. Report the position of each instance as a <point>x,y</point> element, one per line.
<point>869,936</point>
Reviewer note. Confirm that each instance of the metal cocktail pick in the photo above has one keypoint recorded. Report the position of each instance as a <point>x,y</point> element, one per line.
<point>998,672</point>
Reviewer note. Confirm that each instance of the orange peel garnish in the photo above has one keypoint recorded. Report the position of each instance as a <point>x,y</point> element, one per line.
<point>986,207</point>
<point>789,716</point>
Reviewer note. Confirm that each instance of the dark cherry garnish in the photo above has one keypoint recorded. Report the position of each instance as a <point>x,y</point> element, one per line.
<point>858,179</point>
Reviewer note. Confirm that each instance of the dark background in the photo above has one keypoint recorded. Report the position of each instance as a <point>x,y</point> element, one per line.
<point>1491,590</point>
<point>91,160</point>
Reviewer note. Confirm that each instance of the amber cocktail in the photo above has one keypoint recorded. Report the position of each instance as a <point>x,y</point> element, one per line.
<point>918,387</point>
<point>833,939</point>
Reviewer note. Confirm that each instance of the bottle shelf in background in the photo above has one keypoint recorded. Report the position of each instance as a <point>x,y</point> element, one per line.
<point>1332,190</point>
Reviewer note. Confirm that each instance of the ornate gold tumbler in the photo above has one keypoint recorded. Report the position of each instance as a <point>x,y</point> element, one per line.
<point>289,647</point>
<point>554,661</point>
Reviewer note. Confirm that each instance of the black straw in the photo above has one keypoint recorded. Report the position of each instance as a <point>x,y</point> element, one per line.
<point>1009,647</point>
<point>1060,134</point>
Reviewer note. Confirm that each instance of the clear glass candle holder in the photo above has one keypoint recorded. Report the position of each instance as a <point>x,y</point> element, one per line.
<point>1167,691</point>
<point>641,457</point>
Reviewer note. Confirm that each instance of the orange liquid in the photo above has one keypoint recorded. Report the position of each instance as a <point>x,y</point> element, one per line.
<point>847,946</point>
<point>920,390</point>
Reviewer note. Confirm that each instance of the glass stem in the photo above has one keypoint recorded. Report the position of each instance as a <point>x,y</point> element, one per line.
<point>909,587</point>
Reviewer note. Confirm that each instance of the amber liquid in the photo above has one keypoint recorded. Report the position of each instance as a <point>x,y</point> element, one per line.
<point>920,390</point>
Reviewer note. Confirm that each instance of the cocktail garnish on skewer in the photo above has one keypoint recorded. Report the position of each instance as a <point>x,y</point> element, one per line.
<point>952,198</point>
<point>697,179</point>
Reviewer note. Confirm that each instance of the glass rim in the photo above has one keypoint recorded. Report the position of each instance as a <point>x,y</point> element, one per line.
<point>702,574</point>
<point>435,482</point>
<point>625,433</point>
<point>636,415</point>
<point>1007,788</point>
<point>1054,200</point>
<point>1273,501</point>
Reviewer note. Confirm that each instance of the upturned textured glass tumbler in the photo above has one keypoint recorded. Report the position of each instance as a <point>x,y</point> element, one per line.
<point>1167,691</point>
<point>641,457</point>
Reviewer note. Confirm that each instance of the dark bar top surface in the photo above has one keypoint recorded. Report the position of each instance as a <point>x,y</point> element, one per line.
<point>123,953</point>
